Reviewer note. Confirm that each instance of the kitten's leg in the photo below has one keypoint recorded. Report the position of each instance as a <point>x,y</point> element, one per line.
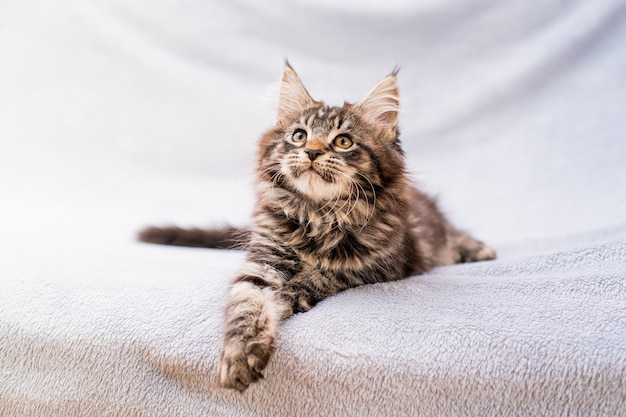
<point>467,249</point>
<point>253,312</point>
<point>311,286</point>
<point>259,298</point>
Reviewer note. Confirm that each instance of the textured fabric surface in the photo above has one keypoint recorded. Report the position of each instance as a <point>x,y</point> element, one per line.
<point>117,114</point>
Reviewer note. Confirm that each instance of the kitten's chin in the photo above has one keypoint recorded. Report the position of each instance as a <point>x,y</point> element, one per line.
<point>310,184</point>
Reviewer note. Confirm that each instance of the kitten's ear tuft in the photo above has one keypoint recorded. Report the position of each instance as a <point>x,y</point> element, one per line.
<point>293,96</point>
<point>381,105</point>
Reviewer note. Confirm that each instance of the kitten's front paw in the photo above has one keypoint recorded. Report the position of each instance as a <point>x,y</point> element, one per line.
<point>241,364</point>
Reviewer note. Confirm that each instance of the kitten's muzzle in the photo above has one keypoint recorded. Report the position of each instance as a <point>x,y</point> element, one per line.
<point>313,153</point>
<point>314,148</point>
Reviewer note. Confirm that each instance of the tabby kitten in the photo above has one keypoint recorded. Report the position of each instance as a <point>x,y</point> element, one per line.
<point>334,210</point>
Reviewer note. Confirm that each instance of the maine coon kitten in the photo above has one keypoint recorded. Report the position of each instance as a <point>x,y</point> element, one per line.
<point>334,210</point>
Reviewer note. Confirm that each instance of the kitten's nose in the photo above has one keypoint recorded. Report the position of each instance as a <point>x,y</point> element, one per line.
<point>313,153</point>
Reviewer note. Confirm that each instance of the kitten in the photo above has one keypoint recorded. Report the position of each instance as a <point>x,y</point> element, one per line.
<point>334,210</point>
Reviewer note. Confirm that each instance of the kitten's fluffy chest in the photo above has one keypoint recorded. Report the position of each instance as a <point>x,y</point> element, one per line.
<point>329,221</point>
<point>351,212</point>
<point>335,240</point>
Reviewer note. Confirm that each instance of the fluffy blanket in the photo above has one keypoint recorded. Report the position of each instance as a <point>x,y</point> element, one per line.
<point>117,114</point>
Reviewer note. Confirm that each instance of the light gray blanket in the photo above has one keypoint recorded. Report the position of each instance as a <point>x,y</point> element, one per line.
<point>117,114</point>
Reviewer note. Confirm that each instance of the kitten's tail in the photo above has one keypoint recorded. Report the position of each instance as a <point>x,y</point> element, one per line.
<point>225,238</point>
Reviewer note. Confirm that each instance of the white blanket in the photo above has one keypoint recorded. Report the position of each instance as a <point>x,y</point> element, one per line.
<point>117,114</point>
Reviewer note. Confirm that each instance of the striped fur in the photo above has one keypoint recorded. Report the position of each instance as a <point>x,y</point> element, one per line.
<point>328,219</point>
<point>334,210</point>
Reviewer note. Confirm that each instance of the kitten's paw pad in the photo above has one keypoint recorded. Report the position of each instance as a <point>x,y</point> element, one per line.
<point>243,365</point>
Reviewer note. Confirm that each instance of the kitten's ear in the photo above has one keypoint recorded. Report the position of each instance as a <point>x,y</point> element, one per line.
<point>381,105</point>
<point>293,96</point>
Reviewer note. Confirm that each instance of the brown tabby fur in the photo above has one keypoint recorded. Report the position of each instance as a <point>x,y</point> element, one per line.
<point>326,219</point>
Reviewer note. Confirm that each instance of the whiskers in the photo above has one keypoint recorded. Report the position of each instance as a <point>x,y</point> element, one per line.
<point>334,196</point>
<point>340,207</point>
<point>369,213</point>
<point>273,176</point>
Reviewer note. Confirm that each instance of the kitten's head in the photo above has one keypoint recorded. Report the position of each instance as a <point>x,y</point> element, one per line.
<point>326,153</point>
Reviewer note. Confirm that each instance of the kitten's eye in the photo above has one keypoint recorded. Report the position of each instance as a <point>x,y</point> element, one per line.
<point>299,136</point>
<point>343,142</point>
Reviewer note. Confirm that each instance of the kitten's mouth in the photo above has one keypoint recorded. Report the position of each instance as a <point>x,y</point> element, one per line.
<point>317,172</point>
